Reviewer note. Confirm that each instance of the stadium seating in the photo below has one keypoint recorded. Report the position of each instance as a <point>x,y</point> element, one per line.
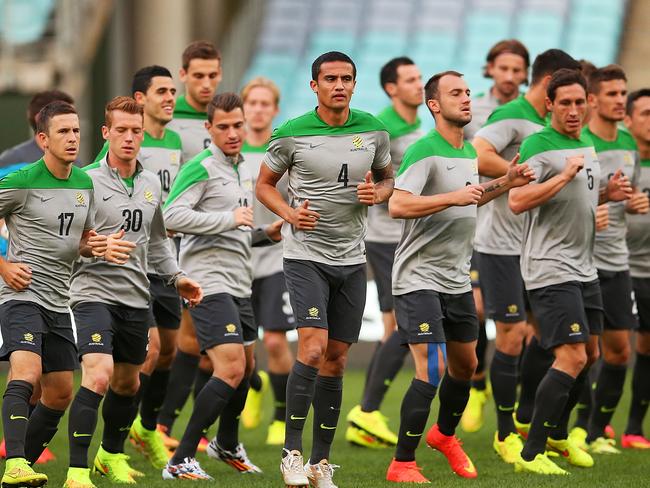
<point>437,34</point>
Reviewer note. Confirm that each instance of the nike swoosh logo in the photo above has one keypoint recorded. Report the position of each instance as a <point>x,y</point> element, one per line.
<point>45,444</point>
<point>293,417</point>
<point>505,409</point>
<point>107,198</point>
<point>17,417</point>
<point>224,183</point>
<point>76,434</point>
<point>408,434</point>
<point>46,199</point>
<point>314,146</point>
<point>607,410</point>
<point>455,414</point>
<point>326,427</point>
<point>451,167</point>
<point>550,426</point>
<point>470,468</point>
<point>124,429</point>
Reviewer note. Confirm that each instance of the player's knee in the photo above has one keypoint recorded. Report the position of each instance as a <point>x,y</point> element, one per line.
<point>98,381</point>
<point>58,398</point>
<point>312,355</point>
<point>126,386</point>
<point>334,365</point>
<point>234,373</point>
<point>166,358</point>
<point>580,360</point>
<point>618,355</point>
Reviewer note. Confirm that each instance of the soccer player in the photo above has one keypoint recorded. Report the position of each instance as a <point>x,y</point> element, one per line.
<point>402,82</point>
<point>48,209</point>
<point>616,150</point>
<point>270,297</point>
<point>201,74</point>
<point>557,263</point>
<point>498,245</point>
<point>332,154</point>
<point>111,303</point>
<point>436,192</point>
<point>507,63</point>
<point>637,120</point>
<point>209,203</point>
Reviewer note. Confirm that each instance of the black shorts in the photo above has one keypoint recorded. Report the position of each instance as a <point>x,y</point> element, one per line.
<point>474,272</point>
<point>567,313</point>
<point>224,319</point>
<point>327,297</point>
<point>165,308</point>
<point>380,258</point>
<point>504,295</point>
<point>271,304</point>
<point>618,308</point>
<point>425,316</point>
<point>641,288</point>
<point>28,326</point>
<point>120,331</point>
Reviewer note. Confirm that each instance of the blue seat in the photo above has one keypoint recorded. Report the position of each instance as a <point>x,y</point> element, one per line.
<point>25,21</point>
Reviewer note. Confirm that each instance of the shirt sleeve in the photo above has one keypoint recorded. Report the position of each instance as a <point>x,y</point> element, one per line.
<point>414,178</point>
<point>12,194</point>
<point>499,134</point>
<point>90,216</point>
<point>180,215</point>
<point>159,255</point>
<point>279,156</point>
<point>382,153</point>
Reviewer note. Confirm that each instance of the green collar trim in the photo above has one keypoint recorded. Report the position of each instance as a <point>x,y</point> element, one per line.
<point>624,141</point>
<point>184,110</point>
<point>310,124</point>
<point>396,125</point>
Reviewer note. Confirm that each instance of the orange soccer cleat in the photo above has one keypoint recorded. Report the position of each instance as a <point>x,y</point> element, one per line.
<point>405,472</point>
<point>451,447</point>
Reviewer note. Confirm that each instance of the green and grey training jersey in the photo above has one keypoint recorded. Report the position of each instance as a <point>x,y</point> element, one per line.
<point>267,260</point>
<point>132,204</point>
<point>46,217</point>
<point>558,238</point>
<point>499,229</point>
<point>638,229</point>
<point>325,165</point>
<point>381,227</point>
<point>483,105</point>
<point>189,124</point>
<point>214,251</point>
<point>610,250</point>
<point>434,252</point>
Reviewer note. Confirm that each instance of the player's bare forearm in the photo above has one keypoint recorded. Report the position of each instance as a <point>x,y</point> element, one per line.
<point>530,196</point>
<point>406,205</point>
<point>267,193</point>
<point>493,189</point>
<point>490,164</point>
<point>385,182</point>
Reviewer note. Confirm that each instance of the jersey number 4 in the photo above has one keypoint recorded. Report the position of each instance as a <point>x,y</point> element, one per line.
<point>343,175</point>
<point>65,221</point>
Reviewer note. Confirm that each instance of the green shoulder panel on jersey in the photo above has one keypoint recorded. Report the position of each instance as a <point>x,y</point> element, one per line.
<point>310,124</point>
<point>191,173</point>
<point>247,148</point>
<point>396,125</point>
<point>93,165</point>
<point>102,153</point>
<point>169,140</point>
<point>624,141</point>
<point>645,162</point>
<point>519,108</point>
<point>433,144</point>
<point>37,176</point>
<point>184,110</point>
<point>548,139</point>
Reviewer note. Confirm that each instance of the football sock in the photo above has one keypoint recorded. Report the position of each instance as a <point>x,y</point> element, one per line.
<point>609,388</point>
<point>183,367</point>
<point>371,366</point>
<point>481,351</point>
<point>201,378</point>
<point>279,387</point>
<point>534,364</point>
<point>153,398</point>
<point>562,429</point>
<point>453,397</point>
<point>15,415</point>
<point>503,372</point>
<point>82,422</point>
<point>43,424</point>
<point>389,359</point>
<point>300,393</point>
<point>414,413</point>
<point>640,395</point>
<point>327,407</point>
<point>228,433</point>
<point>255,382</point>
<point>118,412</point>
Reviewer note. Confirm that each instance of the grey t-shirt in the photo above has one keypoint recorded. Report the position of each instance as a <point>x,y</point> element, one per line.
<point>610,251</point>
<point>381,227</point>
<point>483,105</point>
<point>189,124</point>
<point>558,239</point>
<point>638,230</point>
<point>434,252</point>
<point>25,152</point>
<point>46,217</point>
<point>499,229</point>
<point>325,165</point>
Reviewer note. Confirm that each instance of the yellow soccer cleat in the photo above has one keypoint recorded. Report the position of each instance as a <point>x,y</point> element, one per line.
<point>578,436</point>
<point>571,451</point>
<point>540,465</point>
<point>522,428</point>
<point>374,423</point>
<point>114,466</point>
<point>361,438</point>
<point>78,478</point>
<point>275,435</point>
<point>509,449</point>
<point>149,443</point>
<point>472,419</point>
<point>251,416</point>
<point>18,472</point>
<point>604,446</point>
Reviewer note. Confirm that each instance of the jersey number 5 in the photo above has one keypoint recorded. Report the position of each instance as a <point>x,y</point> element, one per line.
<point>65,221</point>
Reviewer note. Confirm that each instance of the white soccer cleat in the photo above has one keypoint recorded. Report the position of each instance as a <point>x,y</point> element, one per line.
<point>189,469</point>
<point>320,475</point>
<point>237,459</point>
<point>292,470</point>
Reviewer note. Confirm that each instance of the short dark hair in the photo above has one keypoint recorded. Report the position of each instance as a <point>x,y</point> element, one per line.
<point>51,110</point>
<point>121,104</point>
<point>586,67</point>
<point>606,73</point>
<point>633,97</point>
<point>330,57</point>
<point>388,73</point>
<point>507,46</point>
<point>549,62</point>
<point>142,78</point>
<point>199,50</point>
<point>565,77</point>
<point>431,88</point>
<point>41,99</point>
<point>227,102</point>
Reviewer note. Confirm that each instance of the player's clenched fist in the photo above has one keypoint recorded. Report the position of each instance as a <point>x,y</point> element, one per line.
<point>639,203</point>
<point>302,218</point>
<point>366,192</point>
<point>190,290</point>
<point>16,275</point>
<point>243,216</point>
<point>118,250</point>
<point>468,195</point>
<point>573,165</point>
<point>619,187</point>
<point>602,217</point>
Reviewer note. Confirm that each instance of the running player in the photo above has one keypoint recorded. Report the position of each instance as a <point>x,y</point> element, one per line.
<point>402,82</point>
<point>209,203</point>
<point>557,264</point>
<point>48,209</point>
<point>201,74</point>
<point>436,192</point>
<point>270,297</point>
<point>637,121</point>
<point>332,154</point>
<point>616,150</point>
<point>498,244</point>
<point>111,303</point>
<point>507,63</point>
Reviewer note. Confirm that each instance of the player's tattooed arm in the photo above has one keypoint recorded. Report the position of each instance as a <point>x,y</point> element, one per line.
<point>406,205</point>
<point>516,176</point>
<point>385,182</point>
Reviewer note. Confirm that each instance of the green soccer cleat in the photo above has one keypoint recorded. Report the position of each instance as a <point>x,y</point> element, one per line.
<point>540,465</point>
<point>374,423</point>
<point>251,416</point>
<point>604,446</point>
<point>578,436</point>
<point>473,416</point>
<point>275,435</point>
<point>361,438</point>
<point>78,478</point>
<point>18,472</point>
<point>509,449</point>
<point>571,451</point>
<point>114,466</point>
<point>522,428</point>
<point>149,443</point>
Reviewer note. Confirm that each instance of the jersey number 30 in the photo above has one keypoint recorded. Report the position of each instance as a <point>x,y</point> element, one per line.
<point>132,220</point>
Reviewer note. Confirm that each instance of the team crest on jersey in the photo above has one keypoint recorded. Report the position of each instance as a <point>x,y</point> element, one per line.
<point>358,144</point>
<point>314,313</point>
<point>96,337</point>
<point>424,327</point>
<point>575,329</point>
<point>231,329</point>
<point>174,158</point>
<point>29,338</point>
<point>628,160</point>
<point>81,201</point>
<point>513,309</point>
<point>148,196</point>
<point>475,167</point>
